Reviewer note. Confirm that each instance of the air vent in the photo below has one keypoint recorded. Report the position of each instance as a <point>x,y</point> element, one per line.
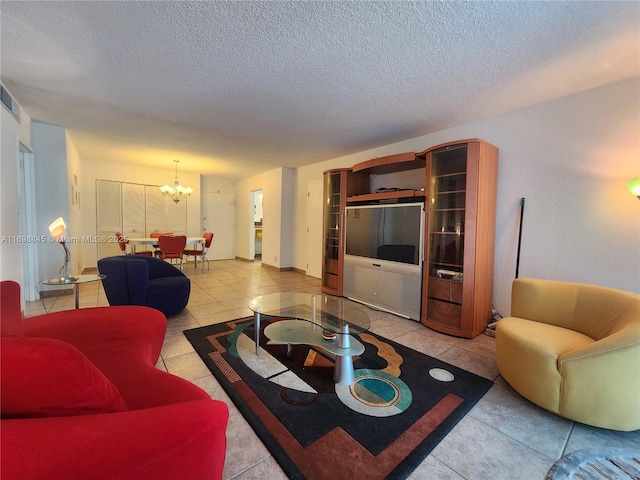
<point>9,102</point>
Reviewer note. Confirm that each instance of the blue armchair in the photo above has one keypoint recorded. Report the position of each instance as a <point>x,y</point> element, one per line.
<point>138,280</point>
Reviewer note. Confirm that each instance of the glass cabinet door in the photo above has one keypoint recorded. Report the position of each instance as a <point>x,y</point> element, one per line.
<point>332,217</point>
<point>448,178</point>
<point>333,208</point>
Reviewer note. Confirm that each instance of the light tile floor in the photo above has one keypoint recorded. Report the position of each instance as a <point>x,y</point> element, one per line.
<point>503,437</point>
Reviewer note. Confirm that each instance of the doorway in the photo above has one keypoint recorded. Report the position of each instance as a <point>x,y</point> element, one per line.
<point>255,228</point>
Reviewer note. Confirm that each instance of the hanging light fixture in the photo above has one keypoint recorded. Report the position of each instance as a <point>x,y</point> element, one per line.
<point>177,192</point>
<point>634,187</point>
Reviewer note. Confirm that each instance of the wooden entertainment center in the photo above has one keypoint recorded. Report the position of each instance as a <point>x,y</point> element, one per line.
<point>456,182</point>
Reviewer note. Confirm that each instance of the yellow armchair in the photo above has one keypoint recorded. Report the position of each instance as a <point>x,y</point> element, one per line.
<point>574,349</point>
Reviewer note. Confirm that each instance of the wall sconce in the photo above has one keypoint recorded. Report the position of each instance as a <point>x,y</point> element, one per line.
<point>634,187</point>
<point>58,231</point>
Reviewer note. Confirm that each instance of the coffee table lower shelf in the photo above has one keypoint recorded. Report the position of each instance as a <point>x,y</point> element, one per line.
<point>302,332</point>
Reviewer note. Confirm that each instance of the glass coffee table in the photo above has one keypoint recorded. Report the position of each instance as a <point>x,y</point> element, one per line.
<point>323,321</point>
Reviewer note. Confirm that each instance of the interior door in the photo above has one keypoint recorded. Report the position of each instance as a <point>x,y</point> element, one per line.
<point>219,217</point>
<point>314,228</point>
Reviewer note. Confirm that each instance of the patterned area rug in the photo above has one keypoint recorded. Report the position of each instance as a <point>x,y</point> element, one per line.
<point>399,408</point>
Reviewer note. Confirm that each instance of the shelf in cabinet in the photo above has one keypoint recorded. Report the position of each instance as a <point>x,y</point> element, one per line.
<point>451,174</point>
<point>446,265</point>
<point>447,192</point>
<point>371,197</point>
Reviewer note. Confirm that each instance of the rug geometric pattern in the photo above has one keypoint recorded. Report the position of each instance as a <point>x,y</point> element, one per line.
<point>401,404</point>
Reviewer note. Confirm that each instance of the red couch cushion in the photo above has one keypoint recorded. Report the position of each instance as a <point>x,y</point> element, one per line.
<point>44,377</point>
<point>10,310</point>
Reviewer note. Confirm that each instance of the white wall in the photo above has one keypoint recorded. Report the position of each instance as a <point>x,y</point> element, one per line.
<point>52,196</point>
<point>74,171</point>
<point>93,170</point>
<point>571,160</point>
<point>12,133</point>
<point>213,184</point>
<point>277,186</point>
<point>286,220</point>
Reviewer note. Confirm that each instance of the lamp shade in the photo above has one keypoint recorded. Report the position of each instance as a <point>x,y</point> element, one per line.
<point>634,187</point>
<point>58,230</point>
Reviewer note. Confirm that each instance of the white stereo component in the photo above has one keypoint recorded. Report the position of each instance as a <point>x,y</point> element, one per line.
<point>384,285</point>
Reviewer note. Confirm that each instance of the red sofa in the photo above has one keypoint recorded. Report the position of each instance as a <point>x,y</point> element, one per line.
<point>81,398</point>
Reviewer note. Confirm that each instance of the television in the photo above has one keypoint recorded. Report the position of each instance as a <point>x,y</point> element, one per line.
<point>385,232</point>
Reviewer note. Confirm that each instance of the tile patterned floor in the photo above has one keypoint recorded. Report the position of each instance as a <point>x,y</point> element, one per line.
<point>503,437</point>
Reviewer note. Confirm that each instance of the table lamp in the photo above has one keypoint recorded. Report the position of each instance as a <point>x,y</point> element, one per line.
<point>58,231</point>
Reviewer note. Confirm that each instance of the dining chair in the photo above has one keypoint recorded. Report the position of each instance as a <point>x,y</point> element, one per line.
<point>122,242</point>
<point>200,252</point>
<point>156,250</point>
<point>171,247</point>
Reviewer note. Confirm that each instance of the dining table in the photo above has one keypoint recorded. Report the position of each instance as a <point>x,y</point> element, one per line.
<point>133,241</point>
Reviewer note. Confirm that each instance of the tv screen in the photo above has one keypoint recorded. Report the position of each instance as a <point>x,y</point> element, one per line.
<point>390,232</point>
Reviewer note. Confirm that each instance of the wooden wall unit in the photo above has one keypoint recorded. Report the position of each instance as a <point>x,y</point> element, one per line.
<point>459,238</point>
<point>338,185</point>
<point>458,183</point>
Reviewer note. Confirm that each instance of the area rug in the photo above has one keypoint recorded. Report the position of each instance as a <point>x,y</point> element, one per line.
<point>401,405</point>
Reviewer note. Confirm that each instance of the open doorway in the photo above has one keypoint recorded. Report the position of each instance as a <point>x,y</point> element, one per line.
<point>255,230</point>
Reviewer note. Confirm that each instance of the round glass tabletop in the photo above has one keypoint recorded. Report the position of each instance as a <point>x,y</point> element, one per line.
<point>330,312</point>
<point>86,278</point>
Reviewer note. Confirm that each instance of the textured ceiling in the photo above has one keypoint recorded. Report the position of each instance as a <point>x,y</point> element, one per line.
<point>237,88</point>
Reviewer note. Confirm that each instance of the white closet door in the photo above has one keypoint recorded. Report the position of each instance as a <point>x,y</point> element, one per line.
<point>156,220</point>
<point>109,216</point>
<point>133,216</point>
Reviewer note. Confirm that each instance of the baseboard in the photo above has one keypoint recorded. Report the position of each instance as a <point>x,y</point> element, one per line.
<point>278,269</point>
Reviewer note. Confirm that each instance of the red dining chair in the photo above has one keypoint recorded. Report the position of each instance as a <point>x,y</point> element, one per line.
<point>200,252</point>
<point>156,250</point>
<point>171,247</point>
<point>122,242</point>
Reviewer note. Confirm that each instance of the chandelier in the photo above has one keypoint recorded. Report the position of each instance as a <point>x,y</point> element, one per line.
<point>177,192</point>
